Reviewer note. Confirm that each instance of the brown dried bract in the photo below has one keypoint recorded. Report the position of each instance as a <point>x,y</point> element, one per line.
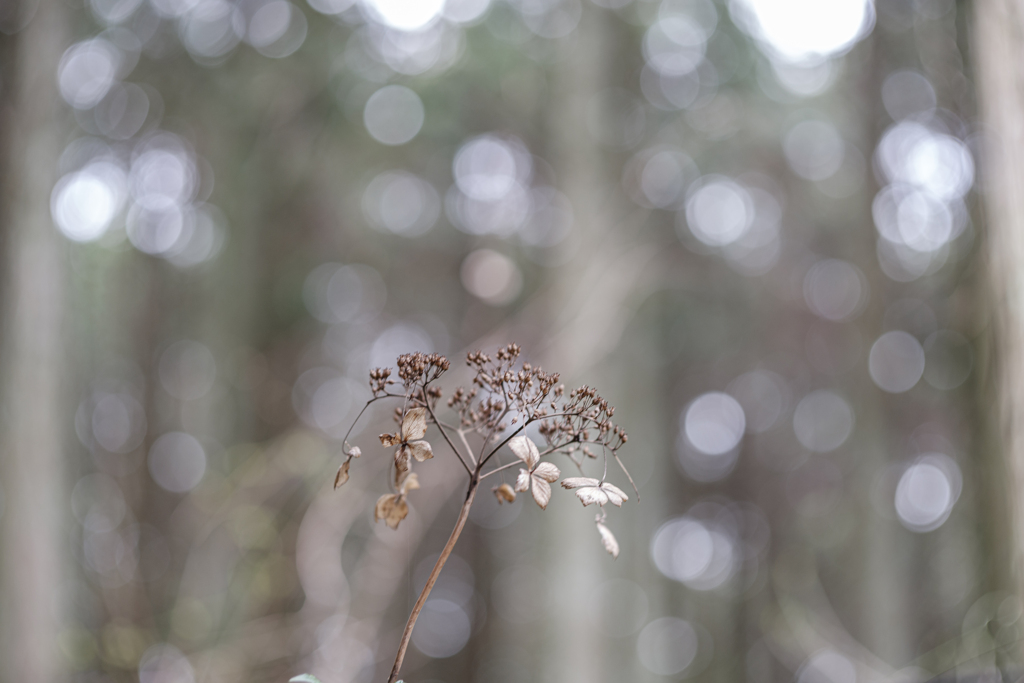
<point>392,508</point>
<point>342,476</point>
<point>504,494</point>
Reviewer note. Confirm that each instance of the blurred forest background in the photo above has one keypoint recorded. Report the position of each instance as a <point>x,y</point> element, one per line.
<point>756,226</point>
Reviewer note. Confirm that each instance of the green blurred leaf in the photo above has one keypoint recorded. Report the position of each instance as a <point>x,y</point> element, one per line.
<point>304,678</point>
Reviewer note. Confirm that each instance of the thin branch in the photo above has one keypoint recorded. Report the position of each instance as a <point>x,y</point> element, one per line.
<point>462,435</point>
<point>458,454</point>
<point>499,469</point>
<point>355,421</point>
<point>615,455</point>
<point>521,428</point>
<point>432,579</point>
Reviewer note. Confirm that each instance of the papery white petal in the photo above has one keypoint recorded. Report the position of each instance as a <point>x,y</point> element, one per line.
<point>525,450</point>
<point>523,481</point>
<point>608,540</point>
<point>547,471</point>
<point>612,489</point>
<point>541,492</point>
<point>592,494</point>
<point>576,482</point>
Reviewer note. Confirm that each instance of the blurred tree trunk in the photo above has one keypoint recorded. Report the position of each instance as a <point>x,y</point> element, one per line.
<point>31,443</point>
<point>591,299</point>
<point>999,55</point>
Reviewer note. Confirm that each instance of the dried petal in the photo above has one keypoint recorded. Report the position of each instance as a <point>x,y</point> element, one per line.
<point>614,493</point>
<point>414,425</point>
<point>410,482</point>
<point>504,494</point>
<point>384,504</point>
<point>523,481</point>
<point>576,482</point>
<point>354,452</point>
<point>397,513</point>
<point>608,540</point>
<point>392,508</point>
<point>402,459</point>
<point>342,476</point>
<point>592,494</point>
<point>541,491</point>
<point>525,450</point>
<point>421,450</point>
<point>389,439</point>
<point>547,471</point>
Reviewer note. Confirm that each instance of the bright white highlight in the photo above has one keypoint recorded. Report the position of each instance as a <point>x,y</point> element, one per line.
<point>806,30</point>
<point>405,15</point>
<point>927,492</point>
<point>84,203</point>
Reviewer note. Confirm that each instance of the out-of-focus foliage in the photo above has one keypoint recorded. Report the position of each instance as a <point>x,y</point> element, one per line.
<point>751,223</point>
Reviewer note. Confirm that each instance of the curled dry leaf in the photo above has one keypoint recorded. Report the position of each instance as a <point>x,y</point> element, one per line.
<point>392,508</point>
<point>608,540</point>
<point>590,490</point>
<point>342,476</point>
<point>504,494</point>
<point>388,440</point>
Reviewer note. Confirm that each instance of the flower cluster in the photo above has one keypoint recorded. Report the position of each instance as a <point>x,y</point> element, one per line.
<point>491,419</point>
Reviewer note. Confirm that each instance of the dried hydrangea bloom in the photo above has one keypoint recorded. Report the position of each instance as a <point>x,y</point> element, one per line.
<point>506,397</point>
<point>392,507</point>
<point>409,439</point>
<point>590,490</point>
<point>539,476</point>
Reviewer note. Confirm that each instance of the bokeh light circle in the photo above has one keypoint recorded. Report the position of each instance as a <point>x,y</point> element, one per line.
<point>822,421</point>
<point>393,115</point>
<point>896,362</point>
<point>714,423</point>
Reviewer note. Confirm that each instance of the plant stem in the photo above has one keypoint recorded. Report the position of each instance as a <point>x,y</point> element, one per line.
<point>474,483</point>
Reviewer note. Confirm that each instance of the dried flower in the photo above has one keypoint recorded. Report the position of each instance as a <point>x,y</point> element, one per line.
<point>504,494</point>
<point>538,477</point>
<point>590,490</point>
<point>505,394</point>
<point>414,428</point>
<point>392,507</point>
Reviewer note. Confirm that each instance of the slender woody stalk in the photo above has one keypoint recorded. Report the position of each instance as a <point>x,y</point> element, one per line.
<point>474,484</point>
